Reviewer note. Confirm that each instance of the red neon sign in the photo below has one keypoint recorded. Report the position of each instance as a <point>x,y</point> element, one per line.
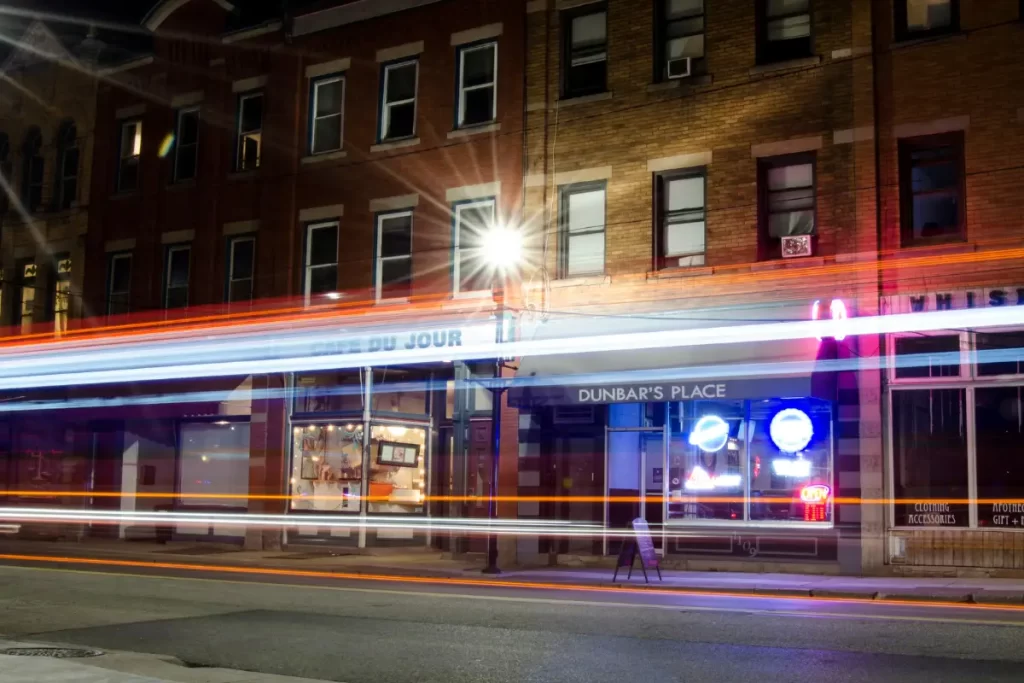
<point>815,493</point>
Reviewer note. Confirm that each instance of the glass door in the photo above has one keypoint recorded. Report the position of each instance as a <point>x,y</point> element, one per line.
<point>634,472</point>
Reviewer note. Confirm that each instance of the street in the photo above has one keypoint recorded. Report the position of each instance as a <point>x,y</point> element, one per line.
<point>376,632</point>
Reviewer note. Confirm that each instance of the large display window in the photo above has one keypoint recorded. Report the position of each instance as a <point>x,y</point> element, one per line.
<point>327,466</point>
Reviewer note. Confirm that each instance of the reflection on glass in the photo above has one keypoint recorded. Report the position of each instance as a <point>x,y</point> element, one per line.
<point>327,467</point>
<point>397,469</point>
<point>325,392</point>
<point>705,470</point>
<point>214,460</point>
<point>1000,429</point>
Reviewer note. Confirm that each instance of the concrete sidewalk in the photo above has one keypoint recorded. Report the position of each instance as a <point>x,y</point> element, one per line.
<point>435,564</point>
<point>117,667</point>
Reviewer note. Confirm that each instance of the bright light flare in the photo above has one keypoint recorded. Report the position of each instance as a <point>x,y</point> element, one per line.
<point>165,146</point>
<point>503,248</point>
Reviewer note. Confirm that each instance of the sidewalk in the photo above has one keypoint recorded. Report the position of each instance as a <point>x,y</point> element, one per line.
<point>435,564</point>
<point>117,667</point>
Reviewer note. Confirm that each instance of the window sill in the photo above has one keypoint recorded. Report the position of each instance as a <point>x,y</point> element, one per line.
<point>393,301</point>
<point>921,39</point>
<point>582,281</point>
<point>324,156</point>
<point>474,130</point>
<point>683,272</point>
<point>388,145</point>
<point>239,175</point>
<point>789,64</point>
<point>784,263</point>
<point>583,99</point>
<point>937,248</point>
<point>677,83</point>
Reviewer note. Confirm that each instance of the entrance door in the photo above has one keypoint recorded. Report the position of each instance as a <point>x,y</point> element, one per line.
<point>635,467</point>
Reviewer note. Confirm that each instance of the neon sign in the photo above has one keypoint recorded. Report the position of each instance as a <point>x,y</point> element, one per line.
<point>838,312</point>
<point>815,493</point>
<point>791,430</point>
<point>797,468</point>
<point>710,434</point>
<point>700,480</point>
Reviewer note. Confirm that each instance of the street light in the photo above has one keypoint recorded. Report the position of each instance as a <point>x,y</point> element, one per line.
<point>502,252</point>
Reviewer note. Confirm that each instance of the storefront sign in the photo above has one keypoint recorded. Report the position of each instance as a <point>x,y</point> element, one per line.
<point>655,392</point>
<point>431,339</point>
<point>1006,515</point>
<point>933,514</point>
<point>595,394</point>
<point>951,300</point>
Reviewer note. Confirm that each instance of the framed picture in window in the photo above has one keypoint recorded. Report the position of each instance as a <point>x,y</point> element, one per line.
<point>398,454</point>
<point>308,467</point>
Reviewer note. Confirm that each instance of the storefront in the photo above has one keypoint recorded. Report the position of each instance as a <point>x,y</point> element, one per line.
<point>955,451</point>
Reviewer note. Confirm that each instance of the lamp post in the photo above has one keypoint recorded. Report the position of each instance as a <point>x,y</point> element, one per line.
<point>502,250</point>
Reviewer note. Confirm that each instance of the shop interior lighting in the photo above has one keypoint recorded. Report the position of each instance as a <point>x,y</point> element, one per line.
<point>791,430</point>
<point>797,468</point>
<point>710,434</point>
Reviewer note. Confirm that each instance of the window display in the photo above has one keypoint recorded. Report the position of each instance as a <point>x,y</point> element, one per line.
<point>705,473</point>
<point>327,467</point>
<point>397,470</point>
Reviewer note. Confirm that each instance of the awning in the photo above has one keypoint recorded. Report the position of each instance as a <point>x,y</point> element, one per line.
<point>774,369</point>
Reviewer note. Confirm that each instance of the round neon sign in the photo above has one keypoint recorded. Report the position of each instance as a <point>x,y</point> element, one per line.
<point>710,434</point>
<point>791,430</point>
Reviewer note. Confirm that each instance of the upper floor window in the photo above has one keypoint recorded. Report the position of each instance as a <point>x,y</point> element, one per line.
<point>178,266</point>
<point>27,271</point>
<point>129,155</point>
<point>241,265</point>
<point>478,79</point>
<point>679,226</point>
<point>680,42</point>
<point>327,114</point>
<point>784,30</point>
<point>62,294</point>
<point>787,201</point>
<point>582,228</point>
<point>250,131</point>
<point>186,148</point>
<point>398,103</point>
<point>585,51</point>
<point>394,255</point>
<point>67,166</point>
<point>473,220</point>
<point>119,284</point>
<point>32,170</point>
<point>321,272</point>
<point>921,18</point>
<point>932,189</point>
<point>5,170</point>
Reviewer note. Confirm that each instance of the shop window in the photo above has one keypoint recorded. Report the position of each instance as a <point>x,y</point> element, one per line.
<point>33,166</point>
<point>394,255</point>
<point>927,356</point>
<point>929,436</point>
<point>784,30</point>
<point>241,264</point>
<point>999,353</point>
<point>321,273</point>
<point>925,18</point>
<point>473,220</point>
<point>478,84</point>
<point>679,46</point>
<point>1000,432</point>
<point>397,390</point>
<point>129,155</point>
<point>327,466</point>
<point>329,392</point>
<point>680,227</point>
<point>397,469</point>
<point>585,51</point>
<point>249,134</point>
<point>178,266</point>
<point>61,294</point>
<point>68,156</point>
<point>932,189</point>
<point>214,459</point>
<point>398,100</point>
<point>582,228</point>
<point>706,468</point>
<point>787,201</point>
<point>186,147</point>
<point>327,114</point>
<point>119,284</point>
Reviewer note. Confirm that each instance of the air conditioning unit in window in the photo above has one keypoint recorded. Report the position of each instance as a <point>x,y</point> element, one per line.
<point>679,68</point>
<point>797,245</point>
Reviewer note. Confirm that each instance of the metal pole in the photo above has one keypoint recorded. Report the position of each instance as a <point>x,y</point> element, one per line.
<point>492,503</point>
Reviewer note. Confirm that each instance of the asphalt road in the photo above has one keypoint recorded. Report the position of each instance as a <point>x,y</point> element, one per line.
<point>373,632</point>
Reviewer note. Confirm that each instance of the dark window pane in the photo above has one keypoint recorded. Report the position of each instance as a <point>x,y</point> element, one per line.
<point>327,133</point>
<point>478,106</point>
<point>401,119</point>
<point>120,275</point>
<point>68,192</point>
<point>401,83</point>
<point>478,66</point>
<point>934,176</point>
<point>396,236</point>
<point>241,266</point>
<point>178,268</point>
<point>117,304</point>
<point>249,152</point>
<point>186,163</point>
<point>930,457</point>
<point>1000,455</point>
<point>396,277</point>
<point>240,290</point>
<point>936,215</point>
<point>70,167</point>
<point>1000,353</point>
<point>323,246</point>
<point>177,297</point>
<point>328,98</point>
<point>128,178</point>
<point>588,78</point>
<point>931,356</point>
<point>252,114</point>
<point>189,128</point>
<point>323,279</point>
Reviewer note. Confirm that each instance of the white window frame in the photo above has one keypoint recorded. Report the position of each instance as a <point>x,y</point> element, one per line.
<point>114,258</point>
<point>240,134</point>
<point>666,178</point>
<point>313,118</point>
<point>171,250</point>
<point>463,88</point>
<point>457,210</point>
<point>135,156</point>
<point>307,269</point>
<point>379,278</point>
<point>565,236</point>
<point>385,108</point>
<point>235,241</point>
<point>178,144</point>
<point>965,358</point>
